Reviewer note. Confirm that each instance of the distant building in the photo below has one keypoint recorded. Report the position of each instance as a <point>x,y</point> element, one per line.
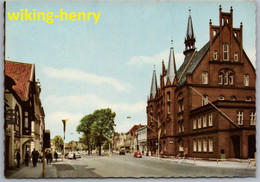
<point>131,143</point>
<point>24,114</point>
<point>141,138</point>
<point>206,108</point>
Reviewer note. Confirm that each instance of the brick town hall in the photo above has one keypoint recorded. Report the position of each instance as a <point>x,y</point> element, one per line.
<point>206,108</point>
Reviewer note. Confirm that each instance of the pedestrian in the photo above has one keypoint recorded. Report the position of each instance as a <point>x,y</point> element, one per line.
<point>18,158</point>
<point>35,156</point>
<point>26,159</point>
<point>56,155</point>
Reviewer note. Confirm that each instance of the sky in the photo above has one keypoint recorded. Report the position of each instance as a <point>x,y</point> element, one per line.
<point>83,66</point>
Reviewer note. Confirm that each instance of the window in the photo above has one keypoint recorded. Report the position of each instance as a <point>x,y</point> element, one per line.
<point>204,100</point>
<point>226,78</point>
<point>26,119</point>
<point>194,146</point>
<point>205,143</point>
<point>232,98</point>
<point>151,108</point>
<point>204,121</point>
<point>248,99</point>
<point>199,145</point>
<point>179,128</point>
<point>235,56</point>
<point>194,124</point>
<point>246,80</point>
<point>168,96</point>
<point>210,120</point>
<point>221,97</point>
<point>231,79</point>
<point>252,118</point>
<point>169,108</point>
<point>225,52</point>
<point>210,144</point>
<point>220,78</point>
<point>181,146</point>
<point>215,55</point>
<point>240,117</point>
<point>204,77</point>
<point>223,21</point>
<point>227,20</point>
<point>199,122</point>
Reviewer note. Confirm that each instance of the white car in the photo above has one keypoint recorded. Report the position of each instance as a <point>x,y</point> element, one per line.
<point>71,155</point>
<point>78,155</point>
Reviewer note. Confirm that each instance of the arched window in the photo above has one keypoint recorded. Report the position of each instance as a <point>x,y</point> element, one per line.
<point>226,77</point>
<point>215,55</point>
<point>168,96</point>
<point>246,80</point>
<point>221,97</point>
<point>181,145</point>
<point>180,102</point>
<point>220,78</point>
<point>248,98</point>
<point>232,98</point>
<point>235,56</point>
<point>225,52</point>
<point>204,77</point>
<point>204,100</point>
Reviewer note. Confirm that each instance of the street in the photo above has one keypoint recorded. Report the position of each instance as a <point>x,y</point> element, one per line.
<point>128,166</point>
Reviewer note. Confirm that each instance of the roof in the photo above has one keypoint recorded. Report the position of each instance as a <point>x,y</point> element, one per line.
<point>184,68</point>
<point>22,74</point>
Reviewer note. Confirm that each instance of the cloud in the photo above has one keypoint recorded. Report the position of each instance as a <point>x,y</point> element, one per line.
<point>156,59</point>
<point>91,102</point>
<point>78,75</point>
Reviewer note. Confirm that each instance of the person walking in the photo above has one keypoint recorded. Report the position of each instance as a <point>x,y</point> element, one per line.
<point>27,158</point>
<point>56,155</point>
<point>35,156</point>
<point>18,158</point>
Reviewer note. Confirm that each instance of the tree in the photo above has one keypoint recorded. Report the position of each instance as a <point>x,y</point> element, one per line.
<point>85,127</point>
<point>58,142</point>
<point>98,127</point>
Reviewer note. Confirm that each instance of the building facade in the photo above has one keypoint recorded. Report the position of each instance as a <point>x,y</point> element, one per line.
<point>206,108</point>
<point>24,114</point>
<point>141,138</point>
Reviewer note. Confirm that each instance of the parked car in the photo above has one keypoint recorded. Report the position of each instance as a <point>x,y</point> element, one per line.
<point>71,155</point>
<point>138,154</point>
<point>59,154</point>
<point>78,155</point>
<point>122,152</point>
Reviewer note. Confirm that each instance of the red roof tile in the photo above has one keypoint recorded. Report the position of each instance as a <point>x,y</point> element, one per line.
<point>22,74</point>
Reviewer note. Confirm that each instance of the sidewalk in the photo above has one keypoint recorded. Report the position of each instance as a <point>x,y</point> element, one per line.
<point>32,172</point>
<point>228,163</point>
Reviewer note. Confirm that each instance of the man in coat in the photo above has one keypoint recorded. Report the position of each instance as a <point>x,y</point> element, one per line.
<point>18,158</point>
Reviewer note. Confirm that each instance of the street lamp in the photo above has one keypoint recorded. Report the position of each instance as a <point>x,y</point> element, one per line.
<point>64,121</point>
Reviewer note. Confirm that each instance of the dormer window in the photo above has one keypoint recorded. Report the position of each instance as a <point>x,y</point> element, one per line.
<point>225,52</point>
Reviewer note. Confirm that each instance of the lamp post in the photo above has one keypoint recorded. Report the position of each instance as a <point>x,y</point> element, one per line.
<point>64,121</point>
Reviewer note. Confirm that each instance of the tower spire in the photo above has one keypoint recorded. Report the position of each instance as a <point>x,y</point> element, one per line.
<point>189,39</point>
<point>171,71</point>
<point>153,85</point>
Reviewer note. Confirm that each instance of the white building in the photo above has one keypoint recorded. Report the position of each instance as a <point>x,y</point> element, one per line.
<point>141,139</point>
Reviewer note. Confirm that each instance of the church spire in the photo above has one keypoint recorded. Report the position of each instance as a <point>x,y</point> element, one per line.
<point>171,71</point>
<point>189,39</point>
<point>153,85</point>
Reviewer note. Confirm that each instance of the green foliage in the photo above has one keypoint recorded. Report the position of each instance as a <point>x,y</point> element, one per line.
<point>97,127</point>
<point>58,142</point>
